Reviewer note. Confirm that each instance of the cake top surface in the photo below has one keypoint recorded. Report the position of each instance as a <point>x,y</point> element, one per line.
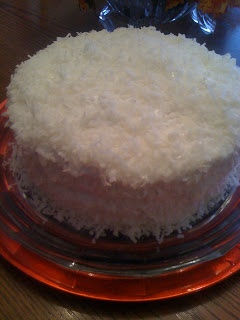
<point>139,105</point>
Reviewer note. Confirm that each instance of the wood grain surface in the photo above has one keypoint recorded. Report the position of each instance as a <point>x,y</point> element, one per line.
<point>26,27</point>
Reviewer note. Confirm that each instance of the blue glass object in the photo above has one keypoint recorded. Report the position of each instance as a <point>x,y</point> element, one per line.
<point>152,12</point>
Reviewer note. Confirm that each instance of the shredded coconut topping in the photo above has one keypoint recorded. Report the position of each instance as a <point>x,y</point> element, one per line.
<point>137,104</point>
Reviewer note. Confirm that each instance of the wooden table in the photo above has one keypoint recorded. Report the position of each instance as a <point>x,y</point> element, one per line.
<point>26,27</point>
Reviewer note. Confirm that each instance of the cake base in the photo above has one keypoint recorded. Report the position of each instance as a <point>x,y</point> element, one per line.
<point>118,288</point>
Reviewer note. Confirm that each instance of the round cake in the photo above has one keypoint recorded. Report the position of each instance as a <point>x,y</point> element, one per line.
<point>132,132</point>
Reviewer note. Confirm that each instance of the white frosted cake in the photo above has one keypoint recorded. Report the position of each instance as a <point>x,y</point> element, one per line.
<point>132,132</point>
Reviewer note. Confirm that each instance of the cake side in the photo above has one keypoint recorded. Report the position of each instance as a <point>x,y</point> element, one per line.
<point>87,203</point>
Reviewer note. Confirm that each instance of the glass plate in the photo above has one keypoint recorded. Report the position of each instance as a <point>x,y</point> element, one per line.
<point>114,268</point>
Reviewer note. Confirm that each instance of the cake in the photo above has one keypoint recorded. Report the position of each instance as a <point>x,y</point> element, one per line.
<point>132,133</point>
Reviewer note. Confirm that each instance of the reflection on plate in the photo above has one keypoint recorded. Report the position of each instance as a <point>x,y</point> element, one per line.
<point>112,268</point>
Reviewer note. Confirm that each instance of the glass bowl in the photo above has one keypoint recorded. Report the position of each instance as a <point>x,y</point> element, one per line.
<point>147,12</point>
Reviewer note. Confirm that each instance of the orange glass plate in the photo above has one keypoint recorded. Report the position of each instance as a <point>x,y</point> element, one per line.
<point>65,272</point>
<point>121,288</point>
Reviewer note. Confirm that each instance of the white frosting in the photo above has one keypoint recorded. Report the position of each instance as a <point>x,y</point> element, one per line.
<point>140,105</point>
